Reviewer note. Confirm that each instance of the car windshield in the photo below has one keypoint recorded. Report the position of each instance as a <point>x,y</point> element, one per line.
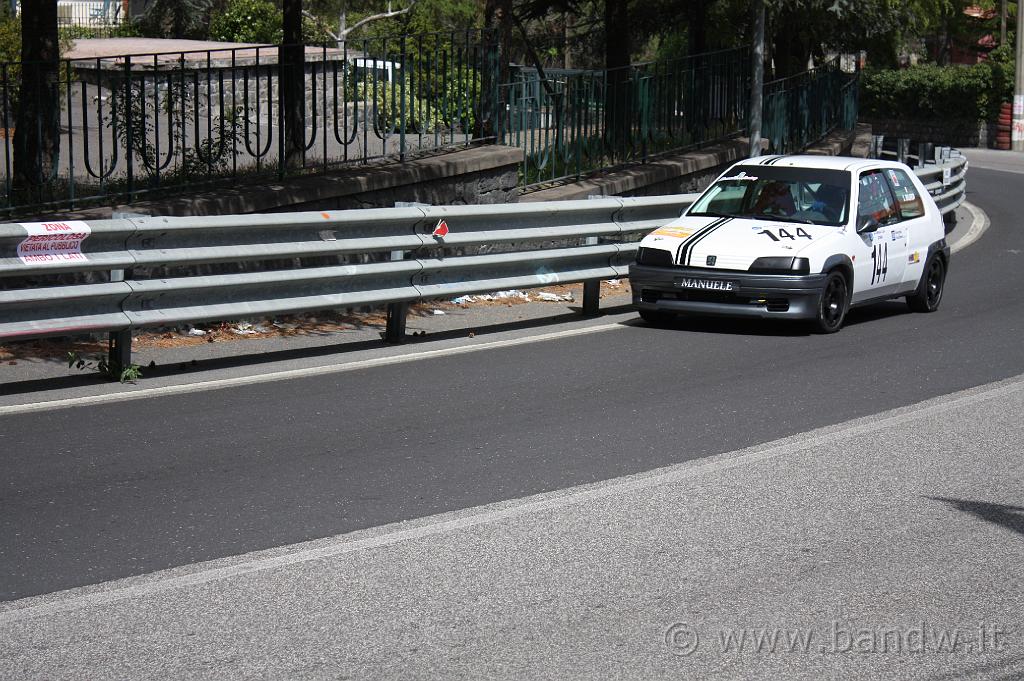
<point>805,195</point>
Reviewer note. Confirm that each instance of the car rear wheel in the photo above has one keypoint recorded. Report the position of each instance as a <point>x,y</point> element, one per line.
<point>929,290</point>
<point>834,302</point>
<point>656,317</point>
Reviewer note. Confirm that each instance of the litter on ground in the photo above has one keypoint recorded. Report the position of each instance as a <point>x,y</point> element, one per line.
<point>555,297</point>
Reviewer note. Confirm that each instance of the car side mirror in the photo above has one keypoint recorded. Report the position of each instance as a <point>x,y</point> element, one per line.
<point>867,224</point>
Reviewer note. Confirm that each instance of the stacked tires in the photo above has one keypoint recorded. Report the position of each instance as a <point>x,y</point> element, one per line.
<point>1003,126</point>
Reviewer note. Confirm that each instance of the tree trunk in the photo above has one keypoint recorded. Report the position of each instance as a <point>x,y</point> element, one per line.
<point>342,25</point>
<point>498,19</point>
<point>37,137</point>
<point>697,30</point>
<point>617,61</point>
<point>292,82</point>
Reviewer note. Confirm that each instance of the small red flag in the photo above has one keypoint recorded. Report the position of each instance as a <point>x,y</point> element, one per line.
<point>441,229</point>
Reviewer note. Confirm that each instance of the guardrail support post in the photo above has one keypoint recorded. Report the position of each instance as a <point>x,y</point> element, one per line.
<point>591,289</point>
<point>119,345</point>
<point>394,332</point>
<point>925,154</point>
<point>119,353</point>
<point>877,143</point>
<point>592,297</point>
<point>902,149</point>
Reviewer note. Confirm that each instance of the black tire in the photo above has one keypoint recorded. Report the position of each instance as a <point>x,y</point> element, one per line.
<point>656,317</point>
<point>929,290</point>
<point>833,304</point>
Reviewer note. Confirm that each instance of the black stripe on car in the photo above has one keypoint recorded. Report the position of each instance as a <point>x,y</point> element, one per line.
<point>683,250</point>
<point>696,239</point>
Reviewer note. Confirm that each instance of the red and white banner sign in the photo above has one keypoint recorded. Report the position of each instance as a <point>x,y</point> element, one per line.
<point>441,229</point>
<point>53,243</point>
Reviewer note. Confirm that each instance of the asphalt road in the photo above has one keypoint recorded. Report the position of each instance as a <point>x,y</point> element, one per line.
<point>884,548</point>
<point>97,493</point>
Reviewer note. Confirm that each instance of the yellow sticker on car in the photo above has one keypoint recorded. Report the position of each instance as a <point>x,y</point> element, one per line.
<point>678,232</point>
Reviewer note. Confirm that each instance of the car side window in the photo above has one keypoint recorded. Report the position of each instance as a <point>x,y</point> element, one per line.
<point>907,197</point>
<point>876,200</point>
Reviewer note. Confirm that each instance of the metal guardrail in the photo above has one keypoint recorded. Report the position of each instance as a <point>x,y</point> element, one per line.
<point>533,244</point>
<point>946,182</point>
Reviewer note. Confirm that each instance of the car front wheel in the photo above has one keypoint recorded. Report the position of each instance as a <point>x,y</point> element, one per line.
<point>929,290</point>
<point>834,302</point>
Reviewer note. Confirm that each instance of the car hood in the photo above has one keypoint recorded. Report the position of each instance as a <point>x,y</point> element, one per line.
<point>733,243</point>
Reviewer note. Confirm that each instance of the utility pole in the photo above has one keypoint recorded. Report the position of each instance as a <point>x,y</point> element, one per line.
<point>1017,136</point>
<point>757,81</point>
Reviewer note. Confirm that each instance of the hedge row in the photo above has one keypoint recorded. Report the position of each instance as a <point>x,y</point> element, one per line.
<point>929,92</point>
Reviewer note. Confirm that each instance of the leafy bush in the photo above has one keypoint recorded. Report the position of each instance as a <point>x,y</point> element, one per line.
<point>966,94</point>
<point>10,54</point>
<point>451,106</point>
<point>176,19</point>
<point>248,21</point>
<point>259,21</point>
<point>75,32</point>
<point>126,29</point>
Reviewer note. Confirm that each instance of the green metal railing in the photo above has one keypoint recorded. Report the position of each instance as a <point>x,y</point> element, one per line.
<point>802,109</point>
<point>577,122</point>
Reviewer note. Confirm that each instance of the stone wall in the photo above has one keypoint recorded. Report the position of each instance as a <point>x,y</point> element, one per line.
<point>670,174</point>
<point>689,172</point>
<point>477,175</point>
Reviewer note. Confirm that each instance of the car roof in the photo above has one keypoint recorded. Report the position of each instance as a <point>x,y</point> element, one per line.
<point>847,163</point>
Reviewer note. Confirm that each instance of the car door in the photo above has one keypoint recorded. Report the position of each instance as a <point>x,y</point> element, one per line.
<point>912,228</point>
<point>880,258</point>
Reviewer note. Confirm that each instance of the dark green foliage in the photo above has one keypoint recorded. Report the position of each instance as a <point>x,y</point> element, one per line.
<point>248,21</point>
<point>177,19</point>
<point>259,21</point>
<point>928,92</point>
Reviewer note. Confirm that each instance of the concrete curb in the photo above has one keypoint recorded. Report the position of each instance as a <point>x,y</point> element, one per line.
<point>979,224</point>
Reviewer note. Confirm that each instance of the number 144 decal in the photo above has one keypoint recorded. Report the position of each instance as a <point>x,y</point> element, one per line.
<point>880,259</point>
<point>786,234</point>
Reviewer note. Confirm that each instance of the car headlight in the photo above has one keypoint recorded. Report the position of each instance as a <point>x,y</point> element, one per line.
<point>654,257</point>
<point>781,265</point>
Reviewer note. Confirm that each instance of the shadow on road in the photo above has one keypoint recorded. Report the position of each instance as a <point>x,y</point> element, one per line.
<point>1009,669</point>
<point>779,327</point>
<point>343,347</point>
<point>1010,517</point>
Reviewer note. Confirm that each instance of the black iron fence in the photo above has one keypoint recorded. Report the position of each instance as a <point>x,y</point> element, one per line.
<point>132,125</point>
<point>572,123</point>
<point>802,109</point>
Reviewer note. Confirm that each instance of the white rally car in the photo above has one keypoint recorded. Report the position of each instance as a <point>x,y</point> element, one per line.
<point>796,237</point>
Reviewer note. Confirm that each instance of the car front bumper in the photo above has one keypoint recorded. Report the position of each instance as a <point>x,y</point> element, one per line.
<point>761,296</point>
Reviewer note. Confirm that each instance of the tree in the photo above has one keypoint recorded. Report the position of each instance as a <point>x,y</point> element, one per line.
<point>341,36</point>
<point>177,19</point>
<point>498,18</point>
<point>37,137</point>
<point>292,81</point>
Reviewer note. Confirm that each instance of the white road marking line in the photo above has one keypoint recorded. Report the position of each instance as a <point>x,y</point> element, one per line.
<point>180,389</point>
<point>386,535</point>
<point>979,223</point>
